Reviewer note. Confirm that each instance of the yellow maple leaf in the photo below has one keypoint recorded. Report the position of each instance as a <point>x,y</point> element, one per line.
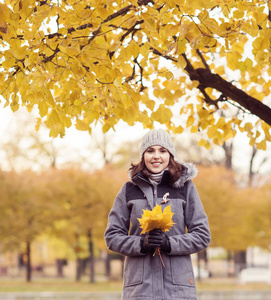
<point>156,219</point>
<point>163,114</point>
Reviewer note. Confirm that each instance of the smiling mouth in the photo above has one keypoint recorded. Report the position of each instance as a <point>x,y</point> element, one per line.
<point>156,163</point>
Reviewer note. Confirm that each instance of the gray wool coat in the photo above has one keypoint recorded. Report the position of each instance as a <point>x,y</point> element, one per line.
<point>145,278</point>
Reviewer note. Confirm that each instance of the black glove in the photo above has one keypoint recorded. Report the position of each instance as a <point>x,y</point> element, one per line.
<point>150,241</point>
<point>155,239</point>
<point>165,245</point>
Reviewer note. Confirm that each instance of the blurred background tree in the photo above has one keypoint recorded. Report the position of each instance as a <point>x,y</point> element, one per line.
<point>71,205</point>
<point>25,212</point>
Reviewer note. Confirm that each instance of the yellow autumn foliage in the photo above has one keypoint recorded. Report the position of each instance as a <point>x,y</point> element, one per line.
<point>156,219</point>
<point>83,62</point>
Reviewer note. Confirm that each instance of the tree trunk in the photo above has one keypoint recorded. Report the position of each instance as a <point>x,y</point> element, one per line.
<point>251,172</point>
<point>228,148</point>
<point>108,266</point>
<point>91,256</point>
<point>230,271</point>
<point>28,263</point>
<point>240,261</point>
<point>198,261</point>
<point>202,255</point>
<point>78,268</point>
<point>240,256</point>
<point>59,265</point>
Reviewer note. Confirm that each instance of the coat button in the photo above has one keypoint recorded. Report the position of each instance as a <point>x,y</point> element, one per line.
<point>191,281</point>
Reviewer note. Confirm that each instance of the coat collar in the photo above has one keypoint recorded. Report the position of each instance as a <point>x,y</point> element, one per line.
<point>189,171</point>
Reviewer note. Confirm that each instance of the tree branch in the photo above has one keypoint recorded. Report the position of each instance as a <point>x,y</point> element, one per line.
<point>207,79</point>
<point>228,91</point>
<point>155,51</point>
<point>203,60</point>
<point>121,12</point>
<point>141,75</point>
<point>129,30</point>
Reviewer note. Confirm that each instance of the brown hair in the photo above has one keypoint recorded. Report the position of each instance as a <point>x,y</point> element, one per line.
<point>174,168</point>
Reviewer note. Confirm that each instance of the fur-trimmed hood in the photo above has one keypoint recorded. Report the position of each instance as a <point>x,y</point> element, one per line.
<point>189,172</point>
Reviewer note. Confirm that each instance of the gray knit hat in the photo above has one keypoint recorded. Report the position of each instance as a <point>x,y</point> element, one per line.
<point>157,137</point>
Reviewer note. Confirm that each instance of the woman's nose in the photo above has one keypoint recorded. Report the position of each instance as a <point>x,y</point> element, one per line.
<point>156,154</point>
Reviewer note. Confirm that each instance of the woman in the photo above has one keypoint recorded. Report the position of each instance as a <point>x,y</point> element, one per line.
<point>158,179</point>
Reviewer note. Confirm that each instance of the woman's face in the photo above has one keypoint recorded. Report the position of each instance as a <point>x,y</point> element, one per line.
<point>156,158</point>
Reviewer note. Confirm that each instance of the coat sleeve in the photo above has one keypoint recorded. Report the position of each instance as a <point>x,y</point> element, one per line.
<point>198,235</point>
<point>117,236</point>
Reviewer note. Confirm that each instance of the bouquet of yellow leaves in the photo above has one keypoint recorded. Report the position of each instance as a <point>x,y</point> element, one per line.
<point>156,219</point>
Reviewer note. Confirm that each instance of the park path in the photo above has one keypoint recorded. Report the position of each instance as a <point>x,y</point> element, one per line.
<point>202,295</point>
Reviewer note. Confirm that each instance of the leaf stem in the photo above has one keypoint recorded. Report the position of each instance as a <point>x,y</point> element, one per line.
<point>157,251</point>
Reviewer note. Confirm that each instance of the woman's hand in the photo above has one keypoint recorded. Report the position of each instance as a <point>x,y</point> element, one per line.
<point>155,239</point>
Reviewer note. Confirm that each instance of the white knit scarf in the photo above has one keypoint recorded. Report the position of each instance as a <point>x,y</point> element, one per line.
<point>155,179</point>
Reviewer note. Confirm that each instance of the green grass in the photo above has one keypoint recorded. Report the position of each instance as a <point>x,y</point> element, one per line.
<point>57,285</point>
<point>69,285</point>
<point>230,284</point>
